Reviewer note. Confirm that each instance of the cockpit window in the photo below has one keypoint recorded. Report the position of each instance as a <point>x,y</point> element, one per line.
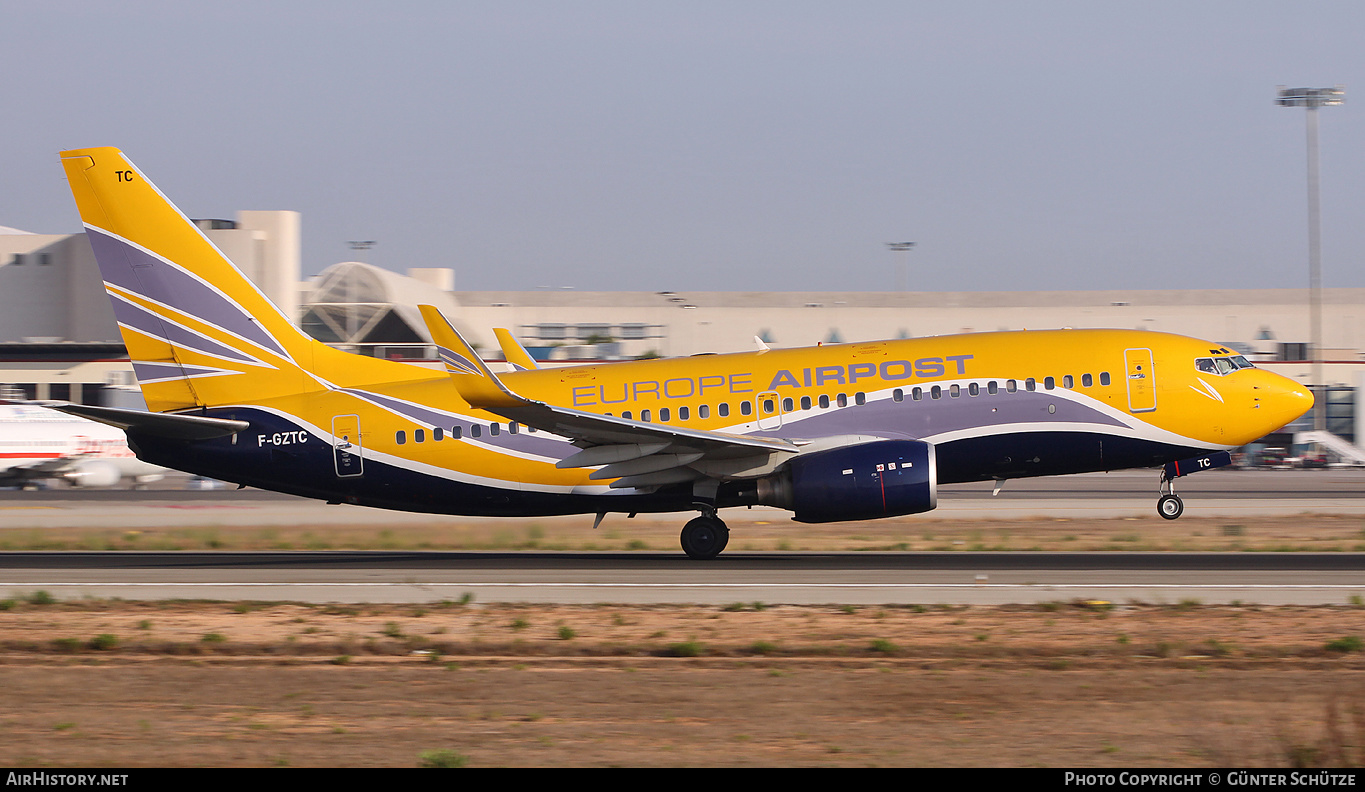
<point>1222,366</point>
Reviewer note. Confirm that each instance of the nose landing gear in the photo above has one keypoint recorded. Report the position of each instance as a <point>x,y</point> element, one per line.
<point>1169,505</point>
<point>704,537</point>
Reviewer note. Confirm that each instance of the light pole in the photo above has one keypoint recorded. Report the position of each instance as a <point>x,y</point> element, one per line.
<point>901,247</point>
<point>1311,99</point>
<point>352,319</point>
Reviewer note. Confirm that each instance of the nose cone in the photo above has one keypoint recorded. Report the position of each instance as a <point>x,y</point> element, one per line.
<point>1283,401</point>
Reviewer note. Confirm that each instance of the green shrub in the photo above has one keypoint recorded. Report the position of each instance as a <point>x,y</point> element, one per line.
<point>443,758</point>
<point>685,649</point>
<point>104,642</point>
<point>1349,643</point>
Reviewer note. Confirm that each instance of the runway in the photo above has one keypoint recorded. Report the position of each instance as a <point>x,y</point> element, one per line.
<point>635,578</point>
<point>1219,493</point>
<point>643,577</point>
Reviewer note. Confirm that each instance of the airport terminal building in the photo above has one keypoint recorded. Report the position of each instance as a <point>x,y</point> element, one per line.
<point>59,340</point>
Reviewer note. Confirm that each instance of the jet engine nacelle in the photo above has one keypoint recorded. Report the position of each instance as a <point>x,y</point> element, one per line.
<point>885,478</point>
<point>93,474</point>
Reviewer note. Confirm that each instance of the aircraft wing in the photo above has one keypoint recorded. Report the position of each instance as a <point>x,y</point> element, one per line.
<point>48,468</point>
<point>635,453</point>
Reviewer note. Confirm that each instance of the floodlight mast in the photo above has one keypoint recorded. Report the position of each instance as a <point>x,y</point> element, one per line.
<point>1311,99</point>
<point>901,247</point>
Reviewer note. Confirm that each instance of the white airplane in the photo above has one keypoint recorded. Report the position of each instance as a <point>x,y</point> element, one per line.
<point>37,444</point>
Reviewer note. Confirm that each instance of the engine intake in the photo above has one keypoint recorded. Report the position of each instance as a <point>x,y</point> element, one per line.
<point>886,478</point>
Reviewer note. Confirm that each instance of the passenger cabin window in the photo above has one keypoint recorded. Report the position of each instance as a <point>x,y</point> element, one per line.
<point>512,428</point>
<point>723,409</point>
<point>917,394</point>
<point>1030,384</point>
<point>936,392</point>
<point>1011,386</point>
<point>954,391</point>
<point>1104,378</point>
<point>991,388</point>
<point>684,413</point>
<point>494,429</point>
<point>975,390</point>
<point>898,395</point>
<point>805,402</point>
<point>704,411</point>
<point>644,415</point>
<point>1087,380</point>
<point>438,434</point>
<point>1068,382</point>
<point>824,402</point>
<point>401,437</point>
<point>860,398</point>
<point>663,415</point>
<point>745,408</point>
<point>419,436</point>
<point>1049,383</point>
<point>476,430</point>
<point>456,432</point>
<point>841,400</point>
<point>787,404</point>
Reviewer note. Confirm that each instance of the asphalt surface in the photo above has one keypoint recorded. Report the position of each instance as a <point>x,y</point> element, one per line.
<point>774,578</point>
<point>798,578</point>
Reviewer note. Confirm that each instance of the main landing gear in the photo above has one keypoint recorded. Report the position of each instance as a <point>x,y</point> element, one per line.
<point>704,537</point>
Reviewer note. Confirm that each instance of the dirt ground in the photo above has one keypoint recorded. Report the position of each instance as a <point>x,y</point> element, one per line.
<point>100,682</point>
<point>750,530</point>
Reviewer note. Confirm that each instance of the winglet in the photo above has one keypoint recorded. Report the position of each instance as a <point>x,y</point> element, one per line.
<point>476,383</point>
<point>514,352</point>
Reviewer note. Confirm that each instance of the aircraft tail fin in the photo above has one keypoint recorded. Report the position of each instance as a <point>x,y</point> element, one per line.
<point>512,350</point>
<point>198,332</point>
<point>476,383</point>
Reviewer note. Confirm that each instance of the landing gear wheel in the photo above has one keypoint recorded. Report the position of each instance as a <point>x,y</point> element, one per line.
<point>1170,506</point>
<point>704,537</point>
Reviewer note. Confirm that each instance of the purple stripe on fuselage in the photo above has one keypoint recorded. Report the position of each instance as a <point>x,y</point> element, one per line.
<point>138,318</point>
<point>523,443</point>
<point>930,417</point>
<point>131,269</point>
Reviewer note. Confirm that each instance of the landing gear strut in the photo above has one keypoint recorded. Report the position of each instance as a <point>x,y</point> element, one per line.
<point>704,537</point>
<point>1169,505</point>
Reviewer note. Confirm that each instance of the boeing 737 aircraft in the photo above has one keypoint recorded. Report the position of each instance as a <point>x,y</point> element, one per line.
<point>836,432</point>
<point>37,444</point>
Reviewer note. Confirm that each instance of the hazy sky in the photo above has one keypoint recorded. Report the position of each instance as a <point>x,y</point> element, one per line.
<point>686,145</point>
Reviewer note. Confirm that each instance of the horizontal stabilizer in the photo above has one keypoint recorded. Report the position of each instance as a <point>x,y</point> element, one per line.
<point>169,425</point>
